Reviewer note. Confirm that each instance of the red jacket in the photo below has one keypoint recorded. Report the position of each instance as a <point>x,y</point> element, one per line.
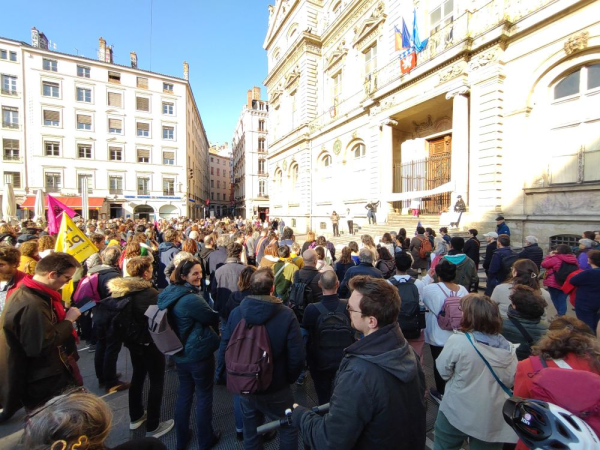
<point>17,281</point>
<point>568,288</point>
<point>552,263</point>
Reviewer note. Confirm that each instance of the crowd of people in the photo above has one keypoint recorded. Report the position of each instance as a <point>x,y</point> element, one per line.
<point>247,306</point>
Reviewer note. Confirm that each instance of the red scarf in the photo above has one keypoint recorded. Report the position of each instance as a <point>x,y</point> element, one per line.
<point>55,297</point>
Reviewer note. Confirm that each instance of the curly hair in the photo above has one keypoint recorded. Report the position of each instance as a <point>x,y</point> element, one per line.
<point>47,242</point>
<point>569,335</point>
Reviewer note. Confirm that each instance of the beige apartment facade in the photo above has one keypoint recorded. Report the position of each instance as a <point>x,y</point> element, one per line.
<point>502,108</point>
<point>220,204</point>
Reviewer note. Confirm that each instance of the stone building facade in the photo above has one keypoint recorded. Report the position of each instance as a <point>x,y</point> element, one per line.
<point>221,193</point>
<point>250,150</point>
<point>502,108</point>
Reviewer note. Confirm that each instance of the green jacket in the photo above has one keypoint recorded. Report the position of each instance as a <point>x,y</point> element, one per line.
<point>284,278</point>
<point>536,328</point>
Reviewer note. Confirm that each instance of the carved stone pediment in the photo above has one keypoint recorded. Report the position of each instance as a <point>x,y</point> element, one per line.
<point>370,28</point>
<point>277,15</point>
<point>292,79</point>
<point>275,96</point>
<point>337,58</point>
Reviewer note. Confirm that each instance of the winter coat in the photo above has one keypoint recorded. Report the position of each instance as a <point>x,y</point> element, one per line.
<point>235,299</point>
<point>225,282</point>
<point>387,267</point>
<point>30,341</point>
<point>13,285</point>
<point>469,381</point>
<point>502,229</point>
<point>471,249</point>
<point>142,295</point>
<point>378,399</point>
<point>588,288</point>
<point>284,280</point>
<point>166,253</point>
<point>340,269</point>
<point>552,264</point>
<point>533,252</point>
<point>536,328</point>
<point>8,238</point>
<point>415,246</point>
<point>466,272</point>
<point>28,264</point>
<point>215,260</point>
<point>501,296</point>
<point>582,259</point>
<point>497,273</point>
<point>192,319</point>
<point>306,273</point>
<point>287,346</point>
<point>489,252</point>
<point>362,269</point>
<point>203,255</point>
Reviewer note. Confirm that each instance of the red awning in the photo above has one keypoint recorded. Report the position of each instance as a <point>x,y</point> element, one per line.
<point>71,202</point>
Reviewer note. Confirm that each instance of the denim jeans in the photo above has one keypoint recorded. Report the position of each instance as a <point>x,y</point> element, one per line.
<point>146,360</point>
<point>304,334</point>
<point>237,413</point>
<point>272,406</point>
<point>195,377</point>
<point>220,374</point>
<point>559,298</point>
<point>106,356</point>
<point>449,438</point>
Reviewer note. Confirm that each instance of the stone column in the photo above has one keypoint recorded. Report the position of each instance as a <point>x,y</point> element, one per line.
<point>386,167</point>
<point>460,143</point>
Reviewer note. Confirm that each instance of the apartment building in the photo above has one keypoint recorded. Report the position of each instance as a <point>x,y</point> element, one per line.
<point>221,191</point>
<point>501,107</point>
<point>250,152</point>
<point>137,136</point>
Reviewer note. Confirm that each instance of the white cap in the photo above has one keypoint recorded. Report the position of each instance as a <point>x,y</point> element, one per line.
<point>491,234</point>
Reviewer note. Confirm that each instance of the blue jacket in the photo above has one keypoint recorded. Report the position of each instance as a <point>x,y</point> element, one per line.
<point>588,287</point>
<point>502,229</point>
<point>166,253</point>
<point>191,318</point>
<point>283,329</point>
<point>496,273</point>
<point>361,269</point>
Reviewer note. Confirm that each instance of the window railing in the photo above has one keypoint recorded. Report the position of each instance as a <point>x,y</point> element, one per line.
<point>9,91</point>
<point>8,157</point>
<point>11,125</point>
<point>115,191</point>
<point>143,192</point>
<point>168,191</point>
<point>52,189</point>
<point>263,174</point>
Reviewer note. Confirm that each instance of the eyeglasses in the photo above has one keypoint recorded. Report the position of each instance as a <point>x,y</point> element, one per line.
<point>352,310</point>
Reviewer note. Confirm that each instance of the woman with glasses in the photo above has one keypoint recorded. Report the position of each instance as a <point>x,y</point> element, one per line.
<point>192,320</point>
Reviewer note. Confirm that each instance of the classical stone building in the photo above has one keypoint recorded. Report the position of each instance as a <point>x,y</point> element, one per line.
<point>250,152</point>
<point>502,108</point>
<point>221,194</point>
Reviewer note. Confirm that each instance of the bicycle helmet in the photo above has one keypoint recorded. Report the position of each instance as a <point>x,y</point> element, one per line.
<point>542,425</point>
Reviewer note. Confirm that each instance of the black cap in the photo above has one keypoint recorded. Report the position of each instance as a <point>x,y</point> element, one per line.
<point>500,218</point>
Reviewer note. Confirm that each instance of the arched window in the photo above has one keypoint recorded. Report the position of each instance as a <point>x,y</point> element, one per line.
<point>292,33</point>
<point>358,166</point>
<point>326,169</point>
<point>337,8</point>
<point>294,177</point>
<point>278,179</point>
<point>276,54</point>
<point>359,151</point>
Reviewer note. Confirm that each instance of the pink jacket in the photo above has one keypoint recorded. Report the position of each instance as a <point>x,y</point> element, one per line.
<point>552,263</point>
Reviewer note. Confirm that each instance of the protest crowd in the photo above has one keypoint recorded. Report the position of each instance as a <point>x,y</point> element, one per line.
<point>242,303</point>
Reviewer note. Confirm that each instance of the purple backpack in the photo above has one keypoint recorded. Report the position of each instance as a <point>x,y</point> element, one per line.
<point>248,359</point>
<point>87,290</point>
<point>450,315</point>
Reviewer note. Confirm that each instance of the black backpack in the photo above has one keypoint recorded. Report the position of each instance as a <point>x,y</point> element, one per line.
<point>300,294</point>
<point>408,319</point>
<point>332,335</point>
<point>116,315</point>
<point>564,271</point>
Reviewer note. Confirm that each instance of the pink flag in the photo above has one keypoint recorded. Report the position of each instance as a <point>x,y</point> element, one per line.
<point>55,207</point>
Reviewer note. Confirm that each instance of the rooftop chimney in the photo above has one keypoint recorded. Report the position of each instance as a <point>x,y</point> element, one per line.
<point>38,39</point>
<point>256,93</point>
<point>105,52</point>
<point>186,70</point>
<point>250,98</point>
<point>133,57</point>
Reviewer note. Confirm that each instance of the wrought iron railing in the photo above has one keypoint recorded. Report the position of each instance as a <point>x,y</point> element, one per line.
<point>423,175</point>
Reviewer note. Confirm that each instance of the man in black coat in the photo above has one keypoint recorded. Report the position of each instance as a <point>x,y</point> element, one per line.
<point>365,267</point>
<point>378,398</point>
<point>532,251</point>
<point>287,348</point>
<point>491,247</point>
<point>472,246</point>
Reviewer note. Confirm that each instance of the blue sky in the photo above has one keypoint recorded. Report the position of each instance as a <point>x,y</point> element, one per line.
<point>221,39</point>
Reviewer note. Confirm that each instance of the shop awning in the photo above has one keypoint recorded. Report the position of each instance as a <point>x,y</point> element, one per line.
<point>71,202</point>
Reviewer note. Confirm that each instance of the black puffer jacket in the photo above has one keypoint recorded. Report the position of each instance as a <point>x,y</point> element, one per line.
<point>533,252</point>
<point>378,399</point>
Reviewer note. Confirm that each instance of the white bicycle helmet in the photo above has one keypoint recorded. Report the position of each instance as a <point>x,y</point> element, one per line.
<point>542,425</point>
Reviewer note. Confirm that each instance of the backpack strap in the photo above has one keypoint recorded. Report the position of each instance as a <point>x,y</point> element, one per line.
<point>522,330</point>
<point>341,308</point>
<point>280,270</point>
<point>502,385</point>
<point>321,308</point>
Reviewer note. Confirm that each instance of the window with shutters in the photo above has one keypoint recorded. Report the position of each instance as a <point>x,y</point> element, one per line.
<point>168,158</point>
<point>261,166</point>
<point>13,178</point>
<point>168,108</point>
<point>262,188</point>
<point>10,117</point>
<point>441,15</point>
<point>212,170</point>
<point>143,129</point>
<point>115,99</point>
<point>84,122</point>
<point>212,184</point>
<point>83,71</point>
<point>261,125</point>
<point>115,184</point>
<point>50,64</point>
<point>261,144</point>
<point>52,148</point>
<point>142,103</point>
<point>370,61</point>
<point>10,150</point>
<point>115,126</point>
<point>84,95</point>
<point>169,133</point>
<point>80,179</point>
<point>218,196</point>
<point>218,184</point>
<point>168,186</point>
<point>218,171</point>
<point>142,82</point>
<point>84,151</point>
<point>51,118</point>
<point>168,87</point>
<point>115,153</point>
<point>53,181</point>
<point>9,85</point>
<point>143,186</point>
<point>114,77</point>
<point>143,156</point>
<point>50,89</point>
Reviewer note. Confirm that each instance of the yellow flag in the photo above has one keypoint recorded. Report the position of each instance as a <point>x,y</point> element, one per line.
<point>71,240</point>
<point>67,292</point>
